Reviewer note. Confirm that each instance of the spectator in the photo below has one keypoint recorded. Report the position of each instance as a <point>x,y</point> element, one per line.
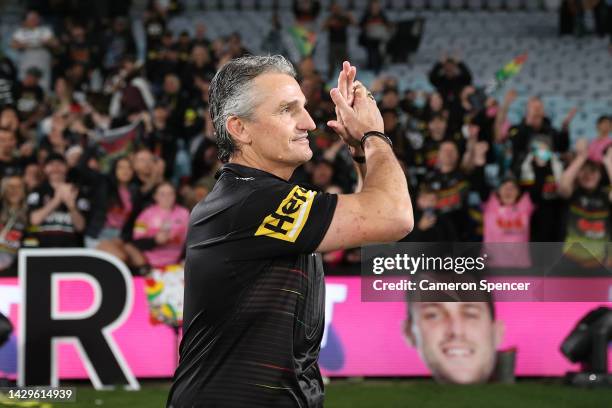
<point>507,219</point>
<point>337,24</point>
<point>425,149</point>
<point>433,107</point>
<point>374,34</point>
<point>199,70</point>
<point>235,47</point>
<point>13,221</point>
<point>77,48</point>
<point>453,184</point>
<point>149,172</point>
<point>174,98</point>
<point>63,96</point>
<point>199,37</point>
<point>536,123</point>
<point>32,177</point>
<point>274,42</point>
<point>56,210</point>
<point>120,199</point>
<point>603,141</point>
<point>430,225</point>
<point>159,233</point>
<point>449,76</point>
<point>161,137</point>
<point>34,41</point>
<point>118,43</point>
<point>10,164</point>
<point>163,61</point>
<point>588,221</point>
<point>8,81</point>
<point>323,175</point>
<point>155,22</point>
<point>540,175</point>
<point>30,100</point>
<point>306,11</point>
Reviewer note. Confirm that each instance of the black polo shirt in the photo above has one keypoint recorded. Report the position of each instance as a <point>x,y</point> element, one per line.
<point>254,295</point>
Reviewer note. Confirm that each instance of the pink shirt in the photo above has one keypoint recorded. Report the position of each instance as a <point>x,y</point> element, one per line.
<point>118,215</point>
<point>507,224</point>
<point>597,148</point>
<point>149,223</point>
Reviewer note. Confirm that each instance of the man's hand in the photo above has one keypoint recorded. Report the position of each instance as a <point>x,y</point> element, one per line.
<point>582,147</point>
<point>68,194</point>
<point>510,97</point>
<point>480,153</point>
<point>570,116</point>
<point>426,222</point>
<point>346,79</point>
<point>363,116</point>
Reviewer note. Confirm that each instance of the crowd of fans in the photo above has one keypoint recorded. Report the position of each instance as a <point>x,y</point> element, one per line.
<point>101,150</point>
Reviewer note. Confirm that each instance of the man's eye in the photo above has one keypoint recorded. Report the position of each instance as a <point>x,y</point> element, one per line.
<point>285,109</point>
<point>430,315</point>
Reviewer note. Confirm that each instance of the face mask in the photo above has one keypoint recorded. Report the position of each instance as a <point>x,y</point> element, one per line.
<point>543,154</point>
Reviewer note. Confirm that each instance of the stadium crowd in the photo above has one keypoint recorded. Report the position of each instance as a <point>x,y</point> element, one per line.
<point>102,150</point>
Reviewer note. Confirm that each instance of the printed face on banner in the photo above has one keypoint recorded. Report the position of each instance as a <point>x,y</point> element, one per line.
<point>457,340</point>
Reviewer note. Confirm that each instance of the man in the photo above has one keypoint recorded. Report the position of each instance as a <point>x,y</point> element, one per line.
<point>337,24</point>
<point>456,340</point>
<point>57,212</point>
<point>534,124</point>
<point>588,230</point>
<point>34,42</point>
<point>449,76</point>
<point>10,164</point>
<point>254,290</point>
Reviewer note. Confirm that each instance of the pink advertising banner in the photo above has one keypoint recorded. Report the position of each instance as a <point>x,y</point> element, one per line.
<point>361,339</point>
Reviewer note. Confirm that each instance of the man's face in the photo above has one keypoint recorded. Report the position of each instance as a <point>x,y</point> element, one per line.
<point>457,340</point>
<point>280,124</point>
<point>604,126</point>
<point>8,142</point>
<point>32,19</point>
<point>448,155</point>
<point>437,128</point>
<point>56,171</point>
<point>589,177</point>
<point>508,193</point>
<point>535,111</point>
<point>172,84</point>
<point>143,163</point>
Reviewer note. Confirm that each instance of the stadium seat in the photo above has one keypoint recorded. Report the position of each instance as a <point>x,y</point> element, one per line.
<point>475,4</point>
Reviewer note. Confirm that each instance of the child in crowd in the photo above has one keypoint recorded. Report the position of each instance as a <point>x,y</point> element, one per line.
<point>507,219</point>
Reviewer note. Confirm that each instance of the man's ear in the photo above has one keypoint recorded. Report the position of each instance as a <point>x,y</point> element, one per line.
<point>235,127</point>
<point>500,330</point>
<point>408,334</point>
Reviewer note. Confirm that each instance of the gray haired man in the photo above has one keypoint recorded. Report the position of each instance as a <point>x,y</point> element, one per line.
<point>254,288</point>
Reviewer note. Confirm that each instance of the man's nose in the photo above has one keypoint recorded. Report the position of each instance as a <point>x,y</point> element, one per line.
<point>456,327</point>
<point>306,122</point>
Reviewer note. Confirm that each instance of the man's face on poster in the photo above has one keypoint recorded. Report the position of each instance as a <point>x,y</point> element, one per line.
<point>457,340</point>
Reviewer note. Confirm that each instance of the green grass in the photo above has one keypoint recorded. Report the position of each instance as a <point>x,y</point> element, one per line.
<point>390,394</point>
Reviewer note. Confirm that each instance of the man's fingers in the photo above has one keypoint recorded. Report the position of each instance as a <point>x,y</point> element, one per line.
<point>350,79</point>
<point>343,108</point>
<point>342,84</point>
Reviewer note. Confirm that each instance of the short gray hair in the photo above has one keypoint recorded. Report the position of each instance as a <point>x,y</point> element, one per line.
<point>231,93</point>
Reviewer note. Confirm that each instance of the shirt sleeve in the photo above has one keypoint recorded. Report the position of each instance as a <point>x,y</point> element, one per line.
<point>283,220</point>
